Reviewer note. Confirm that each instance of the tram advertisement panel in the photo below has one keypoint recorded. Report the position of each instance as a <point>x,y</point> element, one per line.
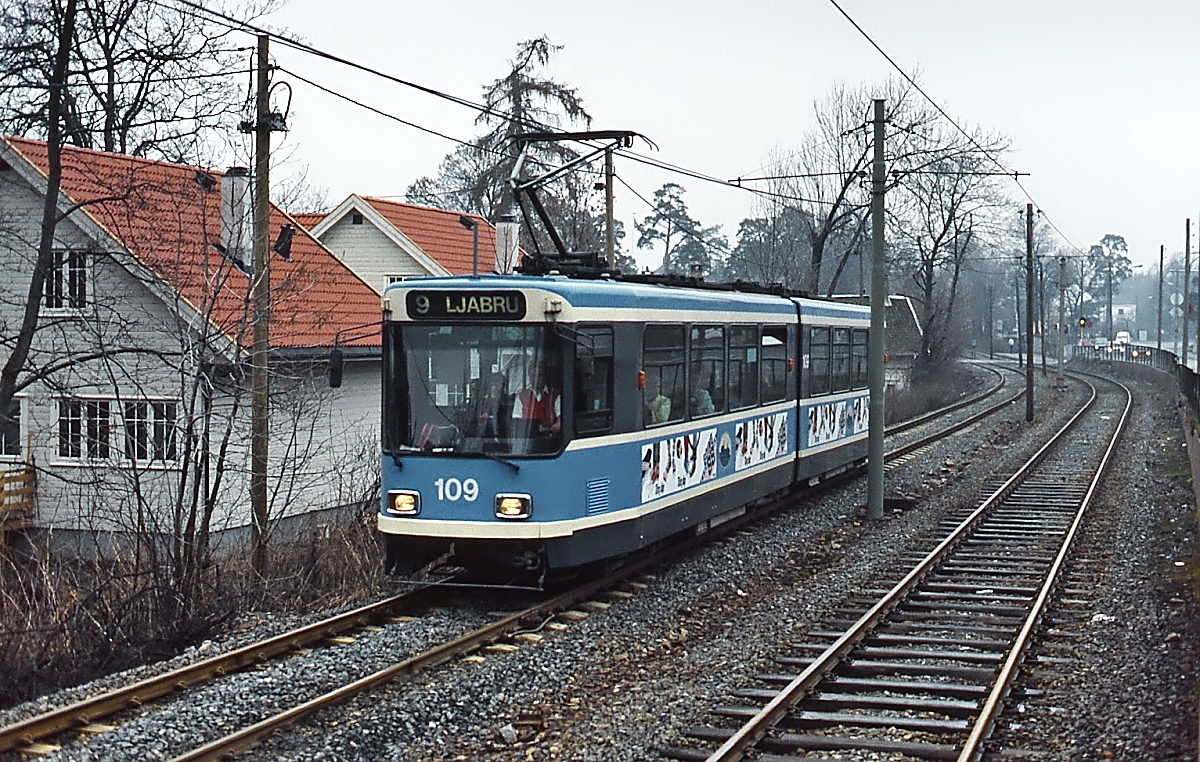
<point>674,464</point>
<point>837,420</point>
<point>760,440</point>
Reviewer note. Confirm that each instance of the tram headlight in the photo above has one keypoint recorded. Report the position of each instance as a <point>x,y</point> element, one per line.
<point>514,506</point>
<point>405,502</point>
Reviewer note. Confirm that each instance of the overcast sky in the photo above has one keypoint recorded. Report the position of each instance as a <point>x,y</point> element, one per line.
<point>1097,97</point>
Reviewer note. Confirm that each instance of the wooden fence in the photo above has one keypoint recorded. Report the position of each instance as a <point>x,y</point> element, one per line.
<point>16,499</point>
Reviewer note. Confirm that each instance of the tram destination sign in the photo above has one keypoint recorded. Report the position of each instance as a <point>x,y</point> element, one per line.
<point>461,304</point>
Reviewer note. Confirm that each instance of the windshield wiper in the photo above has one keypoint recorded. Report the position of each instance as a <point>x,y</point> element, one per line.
<point>397,450</point>
<point>516,469</point>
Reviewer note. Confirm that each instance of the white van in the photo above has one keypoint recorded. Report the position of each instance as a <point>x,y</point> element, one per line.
<point>1122,337</point>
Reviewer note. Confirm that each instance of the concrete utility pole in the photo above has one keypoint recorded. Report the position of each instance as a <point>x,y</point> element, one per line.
<point>1029,312</point>
<point>1062,315</point>
<point>875,380</point>
<point>259,413</point>
<point>1161,249</point>
<point>1187,283</point>
<point>610,244</point>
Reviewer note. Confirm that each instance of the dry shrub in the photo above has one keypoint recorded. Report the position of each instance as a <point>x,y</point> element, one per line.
<point>65,621</point>
<point>929,391</point>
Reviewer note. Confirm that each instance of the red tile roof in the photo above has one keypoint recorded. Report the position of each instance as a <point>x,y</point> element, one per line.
<point>160,214</point>
<point>309,220</point>
<point>440,235</point>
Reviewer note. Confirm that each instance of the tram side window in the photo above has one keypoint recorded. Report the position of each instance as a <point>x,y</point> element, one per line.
<point>859,359</point>
<point>774,363</point>
<point>743,366</point>
<point>707,395</point>
<point>663,359</point>
<point>593,381</point>
<point>841,359</point>
<point>818,353</point>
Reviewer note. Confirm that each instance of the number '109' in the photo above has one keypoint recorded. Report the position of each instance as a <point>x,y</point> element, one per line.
<point>453,489</point>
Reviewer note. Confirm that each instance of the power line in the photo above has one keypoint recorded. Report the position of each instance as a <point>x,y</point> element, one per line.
<point>948,118</point>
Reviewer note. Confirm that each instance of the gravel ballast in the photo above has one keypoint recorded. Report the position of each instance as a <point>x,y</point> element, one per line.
<point>636,674</point>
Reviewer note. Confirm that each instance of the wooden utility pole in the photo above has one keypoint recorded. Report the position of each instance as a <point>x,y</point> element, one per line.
<point>610,244</point>
<point>259,390</point>
<point>991,325</point>
<point>1063,333</point>
<point>875,345</point>
<point>1029,312</point>
<point>1041,302</point>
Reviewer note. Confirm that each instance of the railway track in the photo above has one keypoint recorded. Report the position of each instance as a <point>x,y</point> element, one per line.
<point>29,736</point>
<point>923,669</point>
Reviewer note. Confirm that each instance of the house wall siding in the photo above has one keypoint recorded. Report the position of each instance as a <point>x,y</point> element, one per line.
<point>324,443</point>
<point>369,253</point>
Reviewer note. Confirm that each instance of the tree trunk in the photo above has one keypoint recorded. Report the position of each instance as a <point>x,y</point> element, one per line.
<point>45,259</point>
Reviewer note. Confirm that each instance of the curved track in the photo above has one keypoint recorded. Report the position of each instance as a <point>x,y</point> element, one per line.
<point>923,669</point>
<point>27,735</point>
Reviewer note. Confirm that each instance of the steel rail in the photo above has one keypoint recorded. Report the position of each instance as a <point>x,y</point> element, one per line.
<point>81,713</point>
<point>973,748</point>
<point>736,746</point>
<point>247,737</point>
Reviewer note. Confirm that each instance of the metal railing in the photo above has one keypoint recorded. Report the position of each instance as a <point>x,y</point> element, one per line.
<point>1164,360</point>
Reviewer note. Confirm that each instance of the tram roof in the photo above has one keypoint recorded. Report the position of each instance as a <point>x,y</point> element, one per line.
<point>621,294</point>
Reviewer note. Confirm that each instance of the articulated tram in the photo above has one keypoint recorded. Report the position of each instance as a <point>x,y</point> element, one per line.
<point>536,424</point>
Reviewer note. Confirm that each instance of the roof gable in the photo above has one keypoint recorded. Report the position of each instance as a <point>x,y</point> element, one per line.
<point>160,214</point>
<point>440,235</point>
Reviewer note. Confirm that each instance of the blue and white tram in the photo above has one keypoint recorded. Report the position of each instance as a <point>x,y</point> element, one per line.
<point>535,424</point>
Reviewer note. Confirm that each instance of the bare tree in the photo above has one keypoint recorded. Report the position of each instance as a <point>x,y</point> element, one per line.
<point>825,176</point>
<point>130,76</point>
<point>938,212</point>
<point>144,78</point>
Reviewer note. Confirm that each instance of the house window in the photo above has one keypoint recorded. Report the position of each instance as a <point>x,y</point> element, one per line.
<point>150,431</point>
<point>356,219</point>
<point>83,429</point>
<point>395,278</point>
<point>66,282</point>
<point>10,430</point>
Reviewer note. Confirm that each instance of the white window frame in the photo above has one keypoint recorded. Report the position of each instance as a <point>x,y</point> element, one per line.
<point>79,429</point>
<point>20,434</point>
<point>151,433</point>
<point>68,286</point>
<point>86,434</point>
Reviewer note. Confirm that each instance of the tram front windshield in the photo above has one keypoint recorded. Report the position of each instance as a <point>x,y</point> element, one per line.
<point>487,389</point>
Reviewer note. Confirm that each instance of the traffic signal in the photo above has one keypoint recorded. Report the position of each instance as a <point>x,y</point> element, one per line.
<point>1082,322</point>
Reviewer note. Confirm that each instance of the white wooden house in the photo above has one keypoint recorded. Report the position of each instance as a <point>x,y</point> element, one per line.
<point>136,417</point>
<point>385,241</point>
